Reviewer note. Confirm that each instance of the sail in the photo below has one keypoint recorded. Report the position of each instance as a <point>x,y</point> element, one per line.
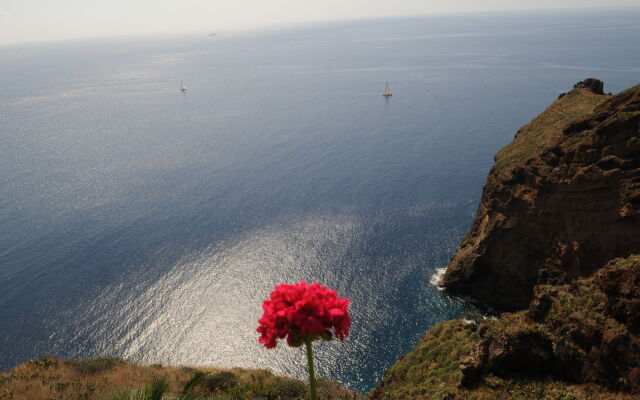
<point>386,90</point>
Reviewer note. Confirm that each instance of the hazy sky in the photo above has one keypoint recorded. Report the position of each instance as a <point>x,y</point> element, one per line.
<point>36,20</point>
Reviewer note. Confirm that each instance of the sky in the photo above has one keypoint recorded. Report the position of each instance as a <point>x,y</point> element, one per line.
<point>44,20</point>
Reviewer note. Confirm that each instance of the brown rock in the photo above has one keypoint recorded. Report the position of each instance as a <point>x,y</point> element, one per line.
<point>561,200</point>
<point>580,333</point>
<point>621,283</point>
<point>540,306</point>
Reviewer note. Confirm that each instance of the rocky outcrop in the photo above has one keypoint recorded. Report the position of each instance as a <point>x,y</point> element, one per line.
<point>584,332</point>
<point>620,281</point>
<point>575,341</point>
<point>561,200</point>
<point>595,85</point>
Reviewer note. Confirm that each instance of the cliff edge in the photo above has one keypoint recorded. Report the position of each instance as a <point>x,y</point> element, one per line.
<point>556,236</point>
<point>115,379</point>
<point>560,201</point>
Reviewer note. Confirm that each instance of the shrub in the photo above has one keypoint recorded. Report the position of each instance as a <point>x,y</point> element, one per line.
<point>93,365</point>
<point>289,389</point>
<point>220,381</point>
<point>155,390</point>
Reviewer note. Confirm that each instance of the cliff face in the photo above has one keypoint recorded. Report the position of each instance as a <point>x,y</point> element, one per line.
<point>561,200</point>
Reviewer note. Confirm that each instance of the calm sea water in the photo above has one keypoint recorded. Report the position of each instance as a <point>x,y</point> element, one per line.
<point>140,222</point>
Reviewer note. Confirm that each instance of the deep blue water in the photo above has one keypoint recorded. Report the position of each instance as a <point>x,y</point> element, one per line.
<point>141,222</point>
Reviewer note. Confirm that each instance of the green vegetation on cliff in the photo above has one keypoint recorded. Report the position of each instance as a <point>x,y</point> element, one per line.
<point>547,127</point>
<point>114,379</point>
<point>431,370</point>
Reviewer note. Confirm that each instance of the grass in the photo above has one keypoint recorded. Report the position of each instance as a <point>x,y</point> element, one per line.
<point>624,263</point>
<point>114,379</point>
<point>493,387</point>
<point>431,370</point>
<point>546,128</point>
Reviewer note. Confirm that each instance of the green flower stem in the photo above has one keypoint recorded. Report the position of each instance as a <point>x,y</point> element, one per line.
<point>312,375</point>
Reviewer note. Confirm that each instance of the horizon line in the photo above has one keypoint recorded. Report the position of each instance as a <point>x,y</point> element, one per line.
<point>298,25</point>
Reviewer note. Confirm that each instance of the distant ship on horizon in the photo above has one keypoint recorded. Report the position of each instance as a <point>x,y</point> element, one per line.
<point>387,92</point>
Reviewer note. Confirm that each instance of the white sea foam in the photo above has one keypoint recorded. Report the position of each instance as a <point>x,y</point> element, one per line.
<point>437,277</point>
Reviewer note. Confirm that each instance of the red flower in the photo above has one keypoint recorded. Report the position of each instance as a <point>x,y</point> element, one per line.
<point>303,312</point>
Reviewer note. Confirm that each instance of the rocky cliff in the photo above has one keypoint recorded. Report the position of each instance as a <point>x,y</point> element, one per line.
<point>557,236</point>
<point>561,200</point>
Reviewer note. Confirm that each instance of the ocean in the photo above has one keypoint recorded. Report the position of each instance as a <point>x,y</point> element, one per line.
<point>141,222</point>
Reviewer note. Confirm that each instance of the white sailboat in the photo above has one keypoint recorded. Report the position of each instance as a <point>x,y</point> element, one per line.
<point>183,88</point>
<point>387,92</point>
